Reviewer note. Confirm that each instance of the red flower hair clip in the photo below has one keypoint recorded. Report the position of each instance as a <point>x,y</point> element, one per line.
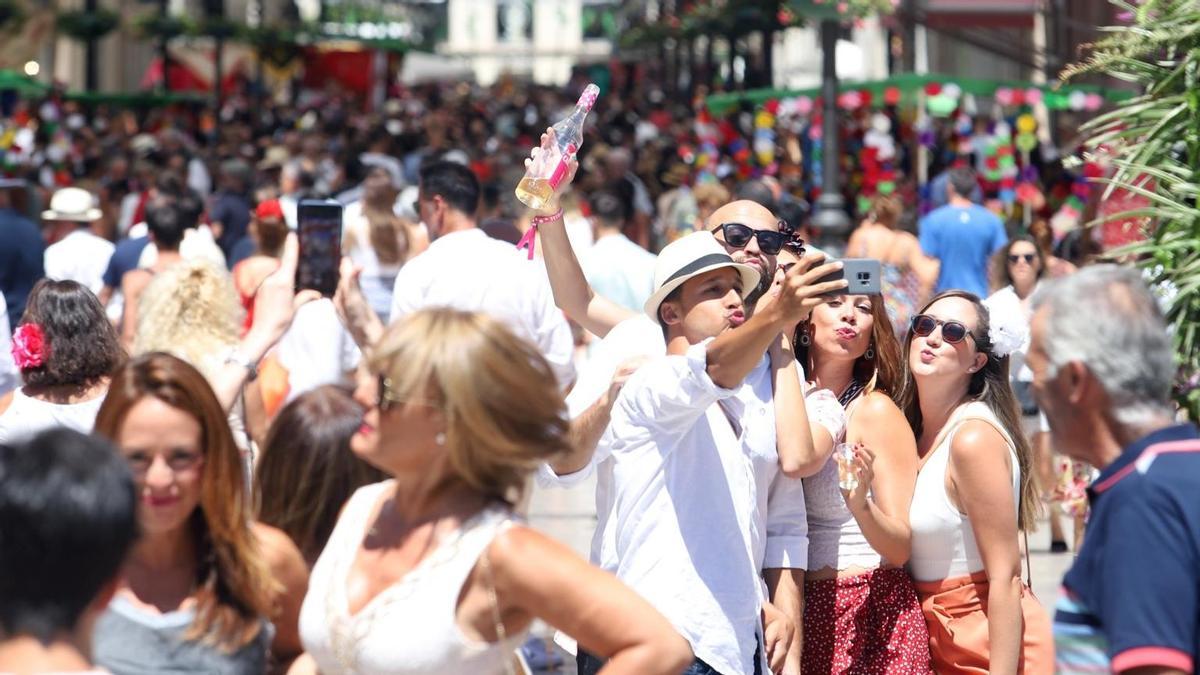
<point>29,348</point>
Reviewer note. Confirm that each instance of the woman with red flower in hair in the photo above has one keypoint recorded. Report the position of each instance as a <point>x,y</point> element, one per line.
<point>65,349</point>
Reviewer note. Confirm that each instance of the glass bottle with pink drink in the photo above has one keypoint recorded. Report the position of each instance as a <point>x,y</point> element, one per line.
<point>549,166</point>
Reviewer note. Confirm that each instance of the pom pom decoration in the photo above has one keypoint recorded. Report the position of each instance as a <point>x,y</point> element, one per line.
<point>941,106</point>
<point>891,96</point>
<point>1033,96</point>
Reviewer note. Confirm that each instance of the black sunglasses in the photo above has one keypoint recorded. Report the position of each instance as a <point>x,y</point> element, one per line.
<point>738,235</point>
<point>1014,259</point>
<point>952,331</point>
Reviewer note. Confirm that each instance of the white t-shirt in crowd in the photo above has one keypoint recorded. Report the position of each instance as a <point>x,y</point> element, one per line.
<point>27,416</point>
<point>198,244</point>
<point>80,256</point>
<point>470,271</point>
<point>316,349</point>
<point>620,270</point>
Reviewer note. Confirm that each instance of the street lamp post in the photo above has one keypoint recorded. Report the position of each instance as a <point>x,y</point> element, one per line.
<point>830,221</point>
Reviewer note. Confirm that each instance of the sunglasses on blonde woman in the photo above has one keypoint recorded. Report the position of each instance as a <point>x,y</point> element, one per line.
<point>952,331</point>
<point>387,397</point>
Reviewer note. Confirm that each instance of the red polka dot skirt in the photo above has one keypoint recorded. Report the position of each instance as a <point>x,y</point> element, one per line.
<point>869,624</point>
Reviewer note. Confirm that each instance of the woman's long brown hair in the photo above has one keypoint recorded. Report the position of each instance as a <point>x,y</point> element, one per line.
<point>990,386</point>
<point>234,586</point>
<point>307,470</point>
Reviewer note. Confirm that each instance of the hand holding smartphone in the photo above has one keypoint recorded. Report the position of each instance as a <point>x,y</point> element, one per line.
<point>319,231</point>
<point>865,277</point>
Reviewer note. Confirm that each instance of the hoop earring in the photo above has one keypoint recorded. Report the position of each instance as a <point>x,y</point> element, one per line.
<point>869,354</point>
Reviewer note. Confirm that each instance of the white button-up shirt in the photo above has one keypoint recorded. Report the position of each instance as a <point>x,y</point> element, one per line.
<point>689,510</point>
<point>80,256</point>
<point>469,270</point>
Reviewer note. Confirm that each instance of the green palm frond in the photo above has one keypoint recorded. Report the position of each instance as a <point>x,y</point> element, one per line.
<point>1154,142</point>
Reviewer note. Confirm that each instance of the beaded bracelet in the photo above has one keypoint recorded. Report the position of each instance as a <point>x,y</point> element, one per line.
<point>530,237</point>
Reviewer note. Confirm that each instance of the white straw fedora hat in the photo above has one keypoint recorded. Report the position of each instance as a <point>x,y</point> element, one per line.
<point>691,256</point>
<point>72,203</point>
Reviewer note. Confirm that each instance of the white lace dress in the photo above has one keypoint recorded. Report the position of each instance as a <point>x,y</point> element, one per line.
<point>409,627</point>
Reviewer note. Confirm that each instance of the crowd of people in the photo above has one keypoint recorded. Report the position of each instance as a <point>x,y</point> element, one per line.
<point>204,469</point>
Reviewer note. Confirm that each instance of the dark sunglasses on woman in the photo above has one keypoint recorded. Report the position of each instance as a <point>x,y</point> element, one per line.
<point>1028,257</point>
<point>738,235</point>
<point>952,331</point>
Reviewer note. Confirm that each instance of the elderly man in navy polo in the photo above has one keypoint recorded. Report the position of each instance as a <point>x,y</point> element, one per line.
<point>1103,367</point>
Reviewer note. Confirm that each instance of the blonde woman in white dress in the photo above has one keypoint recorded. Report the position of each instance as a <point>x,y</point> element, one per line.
<point>431,571</point>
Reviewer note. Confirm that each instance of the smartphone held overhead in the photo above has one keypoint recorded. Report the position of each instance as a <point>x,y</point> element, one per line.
<point>319,231</point>
<point>863,275</point>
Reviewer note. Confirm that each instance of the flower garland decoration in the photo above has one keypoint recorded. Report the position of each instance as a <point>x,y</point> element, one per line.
<point>29,347</point>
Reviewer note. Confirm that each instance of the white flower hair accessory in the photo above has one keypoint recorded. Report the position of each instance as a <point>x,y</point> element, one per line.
<point>1008,327</point>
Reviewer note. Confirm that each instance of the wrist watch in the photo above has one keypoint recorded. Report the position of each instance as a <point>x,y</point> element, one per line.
<point>235,356</point>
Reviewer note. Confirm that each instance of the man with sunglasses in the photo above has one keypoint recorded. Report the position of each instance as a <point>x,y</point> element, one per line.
<point>689,464</point>
<point>753,236</point>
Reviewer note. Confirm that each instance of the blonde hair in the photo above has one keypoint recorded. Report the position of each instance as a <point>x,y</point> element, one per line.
<point>505,413</point>
<point>190,310</point>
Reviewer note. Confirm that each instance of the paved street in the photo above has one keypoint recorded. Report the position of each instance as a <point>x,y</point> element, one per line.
<point>570,517</point>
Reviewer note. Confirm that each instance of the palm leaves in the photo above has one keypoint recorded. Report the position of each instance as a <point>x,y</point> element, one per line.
<point>1154,140</point>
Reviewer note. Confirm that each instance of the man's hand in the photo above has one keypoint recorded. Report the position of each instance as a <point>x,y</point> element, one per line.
<point>778,632</point>
<point>276,302</point>
<point>800,291</point>
<point>621,376</point>
<point>548,138</point>
<point>353,309</point>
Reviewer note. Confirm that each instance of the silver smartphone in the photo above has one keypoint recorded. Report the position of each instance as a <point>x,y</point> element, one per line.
<point>864,274</point>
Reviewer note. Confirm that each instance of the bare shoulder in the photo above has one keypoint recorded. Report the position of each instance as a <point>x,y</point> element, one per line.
<point>520,544</point>
<point>879,407</point>
<point>278,550</point>
<point>876,413</point>
<point>977,442</point>
<point>5,401</point>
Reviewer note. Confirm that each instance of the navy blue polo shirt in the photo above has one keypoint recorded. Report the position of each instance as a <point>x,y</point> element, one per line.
<point>1132,598</point>
<point>21,256</point>
<point>124,259</point>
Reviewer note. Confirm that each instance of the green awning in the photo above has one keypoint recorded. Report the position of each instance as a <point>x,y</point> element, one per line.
<point>138,99</point>
<point>11,80</point>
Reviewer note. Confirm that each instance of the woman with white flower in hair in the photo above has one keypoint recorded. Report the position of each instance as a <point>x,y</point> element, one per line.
<point>975,491</point>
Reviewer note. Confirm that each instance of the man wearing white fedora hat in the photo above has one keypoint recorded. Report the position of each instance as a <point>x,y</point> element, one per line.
<point>76,252</point>
<point>686,453</point>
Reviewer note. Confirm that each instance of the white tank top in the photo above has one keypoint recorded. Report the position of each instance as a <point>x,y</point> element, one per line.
<point>943,543</point>
<point>834,538</point>
<point>27,416</point>
<point>410,627</point>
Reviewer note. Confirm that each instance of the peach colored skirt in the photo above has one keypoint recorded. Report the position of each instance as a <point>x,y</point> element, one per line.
<point>956,614</point>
